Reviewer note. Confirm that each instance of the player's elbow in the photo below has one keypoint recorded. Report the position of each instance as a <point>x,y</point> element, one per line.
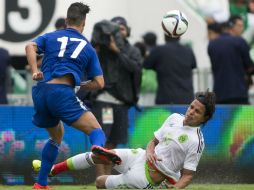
<point>184,181</point>
<point>101,84</point>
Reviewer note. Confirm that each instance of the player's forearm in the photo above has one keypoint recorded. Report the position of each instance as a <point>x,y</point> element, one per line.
<point>183,182</point>
<point>150,146</point>
<point>94,84</point>
<point>31,57</point>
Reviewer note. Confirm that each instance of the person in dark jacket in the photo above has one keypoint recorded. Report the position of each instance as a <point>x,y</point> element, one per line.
<point>231,63</point>
<point>173,64</point>
<point>121,64</point>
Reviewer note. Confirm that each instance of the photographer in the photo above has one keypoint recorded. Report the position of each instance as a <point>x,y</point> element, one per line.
<point>121,65</point>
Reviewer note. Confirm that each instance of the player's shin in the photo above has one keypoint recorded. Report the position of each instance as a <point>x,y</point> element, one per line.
<point>97,137</point>
<point>78,162</point>
<point>49,154</point>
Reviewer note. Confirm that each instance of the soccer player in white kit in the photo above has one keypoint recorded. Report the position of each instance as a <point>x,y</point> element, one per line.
<point>170,159</point>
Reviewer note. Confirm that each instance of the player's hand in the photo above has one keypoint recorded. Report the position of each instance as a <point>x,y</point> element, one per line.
<point>150,157</point>
<point>37,76</point>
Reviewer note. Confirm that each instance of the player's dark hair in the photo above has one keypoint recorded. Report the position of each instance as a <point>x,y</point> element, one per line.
<point>208,99</point>
<point>76,13</point>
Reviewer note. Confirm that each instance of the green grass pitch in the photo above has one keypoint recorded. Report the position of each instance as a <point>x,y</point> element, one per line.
<point>190,187</point>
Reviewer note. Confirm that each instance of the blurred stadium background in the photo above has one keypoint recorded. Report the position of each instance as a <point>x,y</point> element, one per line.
<point>229,136</point>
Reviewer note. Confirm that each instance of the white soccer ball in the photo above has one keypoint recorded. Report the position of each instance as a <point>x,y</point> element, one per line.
<point>174,23</point>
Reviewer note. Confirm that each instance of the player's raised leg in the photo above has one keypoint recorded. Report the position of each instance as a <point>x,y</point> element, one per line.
<point>78,162</point>
<point>89,125</point>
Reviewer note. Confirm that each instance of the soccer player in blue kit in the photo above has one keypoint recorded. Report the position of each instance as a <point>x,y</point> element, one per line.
<point>67,55</point>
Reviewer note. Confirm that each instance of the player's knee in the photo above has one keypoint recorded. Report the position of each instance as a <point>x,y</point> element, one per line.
<point>100,182</point>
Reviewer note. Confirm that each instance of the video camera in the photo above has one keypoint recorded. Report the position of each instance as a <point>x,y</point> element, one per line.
<point>102,32</point>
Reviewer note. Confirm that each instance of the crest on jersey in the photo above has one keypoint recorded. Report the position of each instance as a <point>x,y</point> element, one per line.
<point>183,138</point>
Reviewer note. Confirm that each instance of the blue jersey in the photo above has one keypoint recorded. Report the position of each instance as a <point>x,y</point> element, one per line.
<point>67,52</point>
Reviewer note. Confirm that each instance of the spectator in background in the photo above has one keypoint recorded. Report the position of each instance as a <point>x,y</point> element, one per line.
<point>235,25</point>
<point>173,63</point>
<point>149,82</point>
<point>4,63</point>
<point>231,64</point>
<point>60,23</point>
<point>142,48</point>
<point>150,41</point>
<point>121,65</point>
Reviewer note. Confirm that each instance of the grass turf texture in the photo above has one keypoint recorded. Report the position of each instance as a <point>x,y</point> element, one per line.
<point>92,187</point>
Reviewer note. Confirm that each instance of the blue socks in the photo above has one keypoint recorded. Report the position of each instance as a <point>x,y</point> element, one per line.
<point>97,137</point>
<point>49,154</point>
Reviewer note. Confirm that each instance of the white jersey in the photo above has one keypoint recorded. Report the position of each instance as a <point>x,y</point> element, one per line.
<point>179,146</point>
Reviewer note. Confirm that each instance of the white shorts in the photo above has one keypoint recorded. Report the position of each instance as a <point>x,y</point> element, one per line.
<point>132,171</point>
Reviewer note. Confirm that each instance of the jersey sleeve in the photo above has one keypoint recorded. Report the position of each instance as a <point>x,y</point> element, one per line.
<point>40,41</point>
<point>193,156</point>
<point>94,67</point>
<point>161,131</point>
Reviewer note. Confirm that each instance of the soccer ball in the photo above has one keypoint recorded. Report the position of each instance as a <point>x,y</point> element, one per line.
<point>174,23</point>
<point>36,165</point>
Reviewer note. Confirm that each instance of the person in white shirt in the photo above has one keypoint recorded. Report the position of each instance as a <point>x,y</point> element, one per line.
<point>170,159</point>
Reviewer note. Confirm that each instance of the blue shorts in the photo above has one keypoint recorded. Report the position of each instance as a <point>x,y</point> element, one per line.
<point>55,102</point>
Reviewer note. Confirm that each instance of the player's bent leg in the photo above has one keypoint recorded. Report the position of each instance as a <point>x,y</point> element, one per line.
<point>113,182</point>
<point>129,157</point>
<point>89,125</point>
<point>134,178</point>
